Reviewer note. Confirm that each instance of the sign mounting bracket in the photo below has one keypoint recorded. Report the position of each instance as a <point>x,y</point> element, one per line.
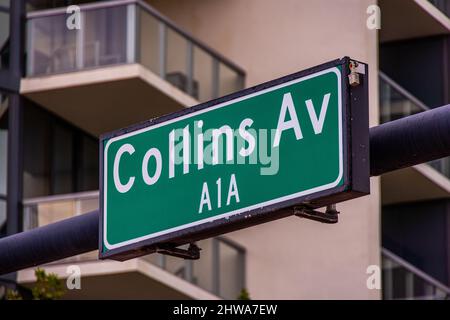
<point>330,215</point>
<point>191,253</point>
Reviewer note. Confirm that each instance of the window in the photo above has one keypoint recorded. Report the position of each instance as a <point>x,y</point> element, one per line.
<point>58,157</point>
<point>4,34</point>
<point>3,160</point>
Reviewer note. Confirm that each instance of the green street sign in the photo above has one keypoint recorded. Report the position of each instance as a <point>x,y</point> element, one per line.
<point>244,159</point>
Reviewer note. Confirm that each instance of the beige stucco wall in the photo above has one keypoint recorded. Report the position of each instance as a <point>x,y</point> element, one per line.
<point>295,258</point>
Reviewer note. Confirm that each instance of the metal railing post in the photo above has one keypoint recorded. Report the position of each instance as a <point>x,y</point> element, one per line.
<point>161,261</point>
<point>215,266</point>
<point>189,271</point>
<point>131,33</point>
<point>215,78</point>
<point>30,47</point>
<point>80,40</point>
<point>388,283</point>
<point>190,67</point>
<point>409,285</point>
<point>162,50</point>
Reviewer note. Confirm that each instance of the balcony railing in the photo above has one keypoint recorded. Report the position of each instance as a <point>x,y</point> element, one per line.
<point>220,270</point>
<point>127,31</point>
<point>396,103</point>
<point>41,211</point>
<point>442,5</point>
<point>401,280</point>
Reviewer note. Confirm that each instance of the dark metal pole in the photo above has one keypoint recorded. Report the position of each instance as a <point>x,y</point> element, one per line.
<point>10,80</point>
<point>17,32</point>
<point>15,170</point>
<point>394,145</point>
<point>409,141</point>
<point>15,165</point>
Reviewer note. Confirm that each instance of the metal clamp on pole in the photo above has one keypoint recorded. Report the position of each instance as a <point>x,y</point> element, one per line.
<point>192,252</point>
<point>355,70</point>
<point>329,216</point>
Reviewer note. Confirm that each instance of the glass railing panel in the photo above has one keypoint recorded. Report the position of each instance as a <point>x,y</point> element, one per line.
<point>423,290</point>
<point>101,40</point>
<point>103,37</point>
<point>52,46</point>
<point>220,269</point>
<point>231,273</point>
<point>441,165</point>
<point>403,281</point>
<point>440,294</point>
<point>202,271</point>
<point>150,40</point>
<point>229,80</point>
<point>202,82</point>
<point>394,104</point>
<point>176,62</point>
<point>175,266</point>
<point>42,211</point>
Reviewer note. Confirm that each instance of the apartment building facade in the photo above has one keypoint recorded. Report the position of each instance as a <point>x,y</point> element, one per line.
<point>128,61</point>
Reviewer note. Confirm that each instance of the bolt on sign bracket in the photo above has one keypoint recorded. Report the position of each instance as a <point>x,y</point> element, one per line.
<point>316,130</point>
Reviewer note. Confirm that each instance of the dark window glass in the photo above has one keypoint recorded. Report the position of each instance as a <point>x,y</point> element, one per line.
<point>36,153</point>
<point>3,142</point>
<point>58,157</point>
<point>62,162</point>
<point>3,160</point>
<point>4,36</point>
<point>2,217</point>
<point>88,164</point>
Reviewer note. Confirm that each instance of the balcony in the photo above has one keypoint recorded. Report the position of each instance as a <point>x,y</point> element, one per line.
<point>401,280</point>
<point>220,270</point>
<point>126,58</point>
<point>425,181</point>
<point>399,19</point>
